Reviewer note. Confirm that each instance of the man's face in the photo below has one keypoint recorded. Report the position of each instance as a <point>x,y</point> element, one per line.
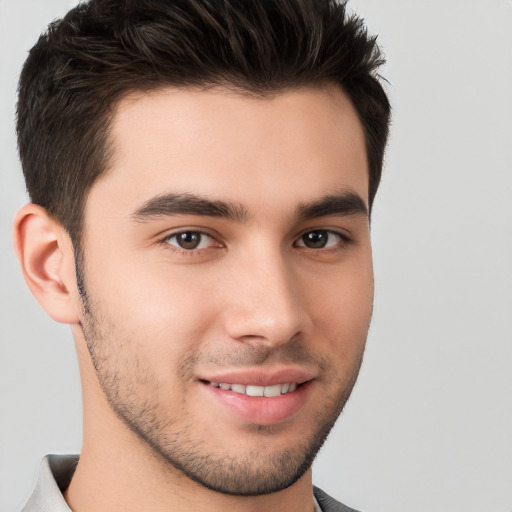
<point>227,256</point>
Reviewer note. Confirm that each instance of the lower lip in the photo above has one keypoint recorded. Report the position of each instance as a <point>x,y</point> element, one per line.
<point>263,410</point>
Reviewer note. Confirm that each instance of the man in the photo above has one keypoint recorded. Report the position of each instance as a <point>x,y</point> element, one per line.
<point>202,175</point>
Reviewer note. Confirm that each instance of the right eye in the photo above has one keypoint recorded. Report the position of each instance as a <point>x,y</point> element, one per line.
<point>190,240</point>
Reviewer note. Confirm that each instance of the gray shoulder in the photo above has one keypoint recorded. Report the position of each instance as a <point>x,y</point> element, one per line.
<point>329,504</point>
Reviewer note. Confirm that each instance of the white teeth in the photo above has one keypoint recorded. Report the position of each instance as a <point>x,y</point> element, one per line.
<point>272,390</point>
<point>255,390</point>
<point>238,388</point>
<point>251,390</point>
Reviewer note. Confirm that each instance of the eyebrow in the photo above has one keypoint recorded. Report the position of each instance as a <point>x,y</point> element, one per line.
<point>189,204</point>
<point>341,204</point>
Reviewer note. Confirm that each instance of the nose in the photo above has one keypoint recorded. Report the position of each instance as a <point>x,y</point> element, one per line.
<point>266,303</point>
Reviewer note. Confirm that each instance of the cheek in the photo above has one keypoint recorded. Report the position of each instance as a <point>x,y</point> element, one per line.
<point>341,307</point>
<point>160,307</point>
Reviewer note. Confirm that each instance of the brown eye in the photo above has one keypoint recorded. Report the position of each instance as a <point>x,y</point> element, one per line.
<point>319,239</point>
<point>190,240</point>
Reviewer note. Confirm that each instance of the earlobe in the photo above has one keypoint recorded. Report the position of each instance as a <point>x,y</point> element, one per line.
<point>46,257</point>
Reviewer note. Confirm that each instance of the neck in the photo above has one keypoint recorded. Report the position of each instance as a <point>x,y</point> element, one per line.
<point>111,478</point>
<point>119,472</point>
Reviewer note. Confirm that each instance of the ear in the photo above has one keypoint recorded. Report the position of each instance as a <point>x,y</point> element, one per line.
<point>46,256</point>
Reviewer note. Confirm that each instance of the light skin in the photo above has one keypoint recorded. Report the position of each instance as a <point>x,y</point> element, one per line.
<point>228,245</point>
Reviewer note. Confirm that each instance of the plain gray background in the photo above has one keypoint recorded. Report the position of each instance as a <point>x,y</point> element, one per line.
<point>429,426</point>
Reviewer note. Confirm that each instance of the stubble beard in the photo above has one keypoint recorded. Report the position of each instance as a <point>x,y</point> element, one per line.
<point>249,474</point>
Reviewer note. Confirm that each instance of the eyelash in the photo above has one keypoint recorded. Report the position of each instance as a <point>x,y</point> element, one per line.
<point>343,241</point>
<point>189,252</point>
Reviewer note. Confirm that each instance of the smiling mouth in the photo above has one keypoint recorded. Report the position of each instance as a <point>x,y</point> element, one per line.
<point>252,390</point>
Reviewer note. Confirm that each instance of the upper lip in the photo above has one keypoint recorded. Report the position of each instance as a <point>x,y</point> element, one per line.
<point>259,377</point>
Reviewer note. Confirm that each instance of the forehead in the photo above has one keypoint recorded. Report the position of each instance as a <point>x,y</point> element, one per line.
<point>288,147</point>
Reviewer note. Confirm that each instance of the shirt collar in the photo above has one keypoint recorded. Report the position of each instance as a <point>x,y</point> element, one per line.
<point>316,504</point>
<point>55,474</point>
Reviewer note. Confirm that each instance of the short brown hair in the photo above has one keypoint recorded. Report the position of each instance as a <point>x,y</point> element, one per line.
<point>101,50</point>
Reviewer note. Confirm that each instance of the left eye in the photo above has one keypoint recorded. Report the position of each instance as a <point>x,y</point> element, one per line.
<point>190,240</point>
<point>319,239</point>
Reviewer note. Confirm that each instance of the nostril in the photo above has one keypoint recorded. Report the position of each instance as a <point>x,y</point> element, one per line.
<point>267,319</point>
